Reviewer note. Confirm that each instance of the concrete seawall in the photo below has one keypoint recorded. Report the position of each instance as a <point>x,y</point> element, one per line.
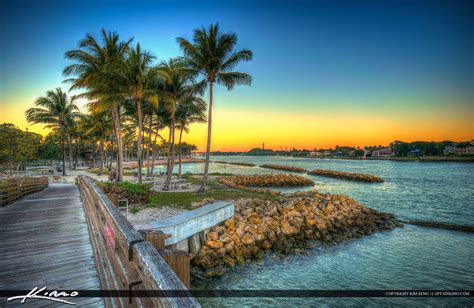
<point>188,230</point>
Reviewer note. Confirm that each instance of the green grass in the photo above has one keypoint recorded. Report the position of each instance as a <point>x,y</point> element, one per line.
<point>134,210</point>
<point>214,190</point>
<point>105,171</point>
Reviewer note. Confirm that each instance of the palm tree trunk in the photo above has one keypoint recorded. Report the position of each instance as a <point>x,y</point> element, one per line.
<point>149,146</point>
<point>63,144</point>
<point>179,147</point>
<point>101,158</point>
<point>118,135</point>
<point>76,154</point>
<point>153,153</point>
<point>170,156</point>
<point>110,151</point>
<point>208,148</point>
<point>70,151</point>
<point>139,143</point>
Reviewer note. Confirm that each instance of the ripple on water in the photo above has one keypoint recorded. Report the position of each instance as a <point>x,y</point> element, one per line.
<point>408,258</point>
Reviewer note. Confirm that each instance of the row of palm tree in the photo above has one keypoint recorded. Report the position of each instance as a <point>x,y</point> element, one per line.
<point>131,99</point>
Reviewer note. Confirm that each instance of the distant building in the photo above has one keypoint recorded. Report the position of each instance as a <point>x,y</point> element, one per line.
<point>459,151</point>
<point>315,154</point>
<point>386,152</point>
<point>366,153</point>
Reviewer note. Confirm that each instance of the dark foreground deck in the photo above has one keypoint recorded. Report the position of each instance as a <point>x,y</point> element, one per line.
<point>44,242</point>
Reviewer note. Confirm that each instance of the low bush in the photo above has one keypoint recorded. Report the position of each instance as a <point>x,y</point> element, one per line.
<point>134,192</point>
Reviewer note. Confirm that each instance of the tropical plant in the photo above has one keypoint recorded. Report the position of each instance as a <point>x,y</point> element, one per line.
<point>98,70</point>
<point>97,125</point>
<point>174,88</point>
<point>212,56</point>
<point>137,74</point>
<point>192,109</point>
<point>57,111</point>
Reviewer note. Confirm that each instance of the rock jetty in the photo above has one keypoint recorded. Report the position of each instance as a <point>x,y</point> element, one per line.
<point>361,177</point>
<point>284,168</point>
<point>246,182</point>
<point>302,220</point>
<point>237,164</point>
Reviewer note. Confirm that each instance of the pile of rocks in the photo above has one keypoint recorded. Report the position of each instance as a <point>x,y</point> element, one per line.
<point>361,177</point>
<point>284,168</point>
<point>303,220</point>
<point>238,164</point>
<point>245,182</point>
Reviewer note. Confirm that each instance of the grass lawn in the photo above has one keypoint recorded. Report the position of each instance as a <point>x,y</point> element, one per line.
<point>214,190</point>
<point>105,171</point>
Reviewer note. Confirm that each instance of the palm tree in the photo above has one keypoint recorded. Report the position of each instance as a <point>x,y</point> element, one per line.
<point>137,75</point>
<point>97,70</point>
<point>98,125</point>
<point>212,56</point>
<point>191,110</point>
<point>57,111</point>
<point>173,89</point>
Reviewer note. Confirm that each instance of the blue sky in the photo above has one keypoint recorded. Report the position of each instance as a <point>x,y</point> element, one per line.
<point>325,57</point>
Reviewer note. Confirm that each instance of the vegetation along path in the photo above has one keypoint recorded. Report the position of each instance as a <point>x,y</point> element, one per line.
<point>46,243</point>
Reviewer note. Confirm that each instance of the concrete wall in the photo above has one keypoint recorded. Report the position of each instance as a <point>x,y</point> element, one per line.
<point>191,225</point>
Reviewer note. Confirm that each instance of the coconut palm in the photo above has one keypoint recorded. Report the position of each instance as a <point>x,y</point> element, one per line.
<point>97,125</point>
<point>192,109</point>
<point>174,87</point>
<point>137,74</point>
<point>57,111</point>
<point>97,69</point>
<point>212,56</point>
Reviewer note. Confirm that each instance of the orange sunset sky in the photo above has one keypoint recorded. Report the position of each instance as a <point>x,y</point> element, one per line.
<point>323,75</point>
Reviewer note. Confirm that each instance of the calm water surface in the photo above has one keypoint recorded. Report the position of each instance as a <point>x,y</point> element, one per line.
<point>407,258</point>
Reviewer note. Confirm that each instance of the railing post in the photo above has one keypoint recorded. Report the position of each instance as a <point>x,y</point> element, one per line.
<point>155,237</point>
<point>179,261</point>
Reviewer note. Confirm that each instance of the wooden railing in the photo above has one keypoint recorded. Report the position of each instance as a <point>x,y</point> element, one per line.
<point>12,189</point>
<point>124,260</point>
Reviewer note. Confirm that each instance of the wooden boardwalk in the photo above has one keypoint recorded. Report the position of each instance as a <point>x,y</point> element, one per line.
<point>45,242</point>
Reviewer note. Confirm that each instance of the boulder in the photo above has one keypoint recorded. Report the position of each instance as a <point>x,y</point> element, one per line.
<point>213,236</point>
<point>214,244</point>
<point>248,239</point>
<point>214,272</point>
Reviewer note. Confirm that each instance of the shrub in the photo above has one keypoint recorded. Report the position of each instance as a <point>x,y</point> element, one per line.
<point>134,192</point>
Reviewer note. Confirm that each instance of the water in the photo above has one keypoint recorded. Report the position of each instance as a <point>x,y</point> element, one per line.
<point>409,258</point>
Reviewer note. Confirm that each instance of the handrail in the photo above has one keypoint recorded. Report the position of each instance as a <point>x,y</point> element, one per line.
<point>12,189</point>
<point>124,260</point>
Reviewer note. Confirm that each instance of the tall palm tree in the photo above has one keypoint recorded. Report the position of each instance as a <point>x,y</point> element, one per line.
<point>212,56</point>
<point>97,70</point>
<point>98,125</point>
<point>137,76</point>
<point>192,109</point>
<point>57,111</point>
<point>174,89</point>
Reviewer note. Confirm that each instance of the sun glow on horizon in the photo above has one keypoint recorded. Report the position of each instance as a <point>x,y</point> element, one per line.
<point>404,75</point>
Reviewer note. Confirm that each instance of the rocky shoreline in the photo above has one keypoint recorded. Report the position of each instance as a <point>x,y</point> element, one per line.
<point>283,168</point>
<point>361,177</point>
<point>302,220</point>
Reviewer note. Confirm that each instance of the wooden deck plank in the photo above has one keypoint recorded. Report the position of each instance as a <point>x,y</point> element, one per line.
<point>45,242</point>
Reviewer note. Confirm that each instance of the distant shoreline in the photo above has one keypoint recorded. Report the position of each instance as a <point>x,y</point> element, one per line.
<point>461,159</point>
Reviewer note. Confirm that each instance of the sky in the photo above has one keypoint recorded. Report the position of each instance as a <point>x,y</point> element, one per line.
<point>325,73</point>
